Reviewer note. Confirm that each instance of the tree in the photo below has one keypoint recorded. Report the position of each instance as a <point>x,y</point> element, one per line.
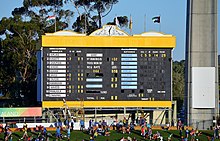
<point>93,12</point>
<point>122,20</point>
<point>19,59</point>
<point>20,34</point>
<point>178,82</point>
<point>18,49</point>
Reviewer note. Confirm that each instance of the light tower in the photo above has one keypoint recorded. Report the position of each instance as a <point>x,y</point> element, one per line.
<point>202,95</point>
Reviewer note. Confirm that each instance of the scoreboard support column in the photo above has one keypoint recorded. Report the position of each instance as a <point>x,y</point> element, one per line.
<point>95,115</point>
<point>169,116</point>
<point>124,111</point>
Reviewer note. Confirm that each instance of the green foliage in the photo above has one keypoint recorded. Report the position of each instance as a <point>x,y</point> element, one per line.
<point>93,12</point>
<point>20,37</point>
<point>123,21</point>
<point>21,34</point>
<point>18,57</point>
<point>178,80</point>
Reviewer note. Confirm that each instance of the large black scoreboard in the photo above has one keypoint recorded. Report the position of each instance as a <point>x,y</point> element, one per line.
<point>106,74</point>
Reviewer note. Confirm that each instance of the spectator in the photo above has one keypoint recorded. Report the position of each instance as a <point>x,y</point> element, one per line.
<point>180,132</point>
<point>82,125</point>
<point>150,133</point>
<point>142,121</point>
<point>216,133</point>
<point>90,123</point>
<point>179,124</point>
<point>91,138</point>
<point>114,125</point>
<point>72,123</point>
<point>25,135</point>
<point>187,133</point>
<point>5,130</point>
<point>58,133</point>
<point>2,128</point>
<point>172,122</point>
<point>142,131</point>
<point>134,139</point>
<point>68,133</point>
<point>45,132</point>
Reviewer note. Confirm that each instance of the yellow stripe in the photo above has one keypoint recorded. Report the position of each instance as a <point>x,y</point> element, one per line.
<point>112,104</point>
<point>109,41</point>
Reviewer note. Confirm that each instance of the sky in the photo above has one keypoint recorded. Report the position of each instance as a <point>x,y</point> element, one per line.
<point>172,13</point>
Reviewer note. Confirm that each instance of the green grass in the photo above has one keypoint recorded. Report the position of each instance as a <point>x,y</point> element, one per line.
<point>79,135</point>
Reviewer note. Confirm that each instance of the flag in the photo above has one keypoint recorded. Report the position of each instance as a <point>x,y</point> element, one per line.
<point>117,22</point>
<point>156,19</point>
<point>130,23</point>
<point>51,18</point>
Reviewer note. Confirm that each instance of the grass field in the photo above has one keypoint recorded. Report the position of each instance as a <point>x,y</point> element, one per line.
<point>79,136</point>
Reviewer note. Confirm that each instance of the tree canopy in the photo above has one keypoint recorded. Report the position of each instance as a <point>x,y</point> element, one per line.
<point>21,33</point>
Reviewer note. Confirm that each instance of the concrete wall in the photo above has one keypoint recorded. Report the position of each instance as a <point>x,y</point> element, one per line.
<point>201,51</point>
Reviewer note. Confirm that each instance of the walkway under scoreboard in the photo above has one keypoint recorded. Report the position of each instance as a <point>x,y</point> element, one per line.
<point>108,68</point>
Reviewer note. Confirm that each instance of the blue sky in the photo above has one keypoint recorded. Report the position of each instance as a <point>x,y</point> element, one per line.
<point>172,12</point>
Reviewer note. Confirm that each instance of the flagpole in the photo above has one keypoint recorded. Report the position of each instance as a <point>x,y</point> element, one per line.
<point>55,16</point>
<point>55,23</point>
<point>144,22</point>
<point>85,24</point>
<point>160,24</point>
<point>131,25</point>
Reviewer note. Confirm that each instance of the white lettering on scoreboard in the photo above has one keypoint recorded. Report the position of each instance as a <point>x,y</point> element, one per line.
<point>56,79</point>
<point>56,87</point>
<point>56,58</point>
<point>56,83</point>
<point>56,63</point>
<point>56,91</point>
<point>56,75</point>
<point>56,67</point>
<point>57,54</point>
<point>56,71</point>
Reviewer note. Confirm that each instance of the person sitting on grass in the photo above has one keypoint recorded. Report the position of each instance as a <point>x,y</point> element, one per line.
<point>8,135</point>
<point>128,130</point>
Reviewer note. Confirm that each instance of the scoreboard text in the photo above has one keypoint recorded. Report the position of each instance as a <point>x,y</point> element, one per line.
<point>99,74</point>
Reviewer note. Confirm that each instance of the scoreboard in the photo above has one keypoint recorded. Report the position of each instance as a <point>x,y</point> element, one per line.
<point>106,74</point>
<point>107,68</point>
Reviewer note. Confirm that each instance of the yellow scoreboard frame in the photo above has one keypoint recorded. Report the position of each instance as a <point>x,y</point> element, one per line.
<point>144,40</point>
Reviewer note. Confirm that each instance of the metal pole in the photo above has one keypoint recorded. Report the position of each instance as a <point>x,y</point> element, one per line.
<point>95,114</point>
<point>124,111</point>
<point>145,23</point>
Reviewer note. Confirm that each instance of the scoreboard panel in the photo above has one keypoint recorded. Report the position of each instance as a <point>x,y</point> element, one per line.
<point>106,74</point>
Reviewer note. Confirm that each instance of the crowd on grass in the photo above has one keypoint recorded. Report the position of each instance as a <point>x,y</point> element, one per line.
<point>102,128</point>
